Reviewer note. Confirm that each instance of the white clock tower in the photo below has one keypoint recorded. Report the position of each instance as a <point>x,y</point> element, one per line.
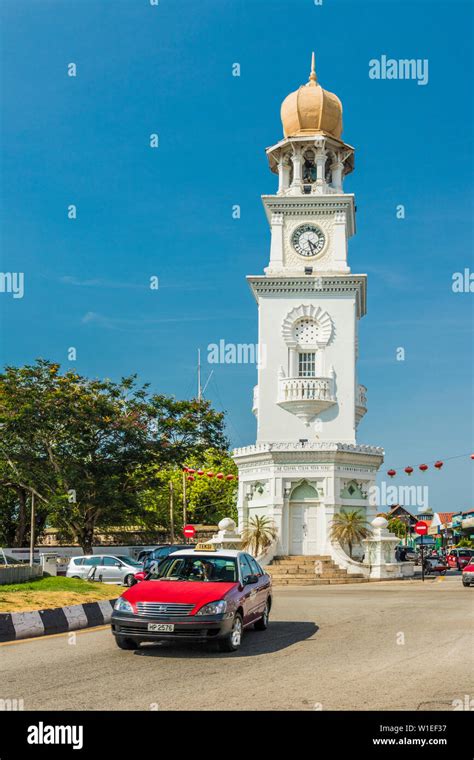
<point>306,464</point>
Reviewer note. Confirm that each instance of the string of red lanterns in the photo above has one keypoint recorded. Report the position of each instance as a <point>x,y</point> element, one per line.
<point>219,475</point>
<point>438,465</point>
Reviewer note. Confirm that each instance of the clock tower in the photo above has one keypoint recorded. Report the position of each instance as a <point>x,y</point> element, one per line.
<point>306,464</point>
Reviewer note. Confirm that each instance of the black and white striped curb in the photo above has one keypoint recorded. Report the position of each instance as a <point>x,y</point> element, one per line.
<point>25,625</point>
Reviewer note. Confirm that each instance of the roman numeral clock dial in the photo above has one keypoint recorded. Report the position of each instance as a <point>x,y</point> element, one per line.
<point>308,240</point>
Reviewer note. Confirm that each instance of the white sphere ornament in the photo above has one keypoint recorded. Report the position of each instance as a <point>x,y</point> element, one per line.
<point>379,522</point>
<point>227,524</point>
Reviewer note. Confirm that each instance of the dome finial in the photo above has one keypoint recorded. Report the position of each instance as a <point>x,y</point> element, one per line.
<point>312,76</point>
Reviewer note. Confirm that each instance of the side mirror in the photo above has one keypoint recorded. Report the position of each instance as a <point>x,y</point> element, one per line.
<point>118,564</point>
<point>249,579</point>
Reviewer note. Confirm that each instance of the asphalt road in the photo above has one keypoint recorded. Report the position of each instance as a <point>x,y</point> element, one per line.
<point>381,646</point>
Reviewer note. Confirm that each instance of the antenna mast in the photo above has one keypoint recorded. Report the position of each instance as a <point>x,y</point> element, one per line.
<point>199,375</point>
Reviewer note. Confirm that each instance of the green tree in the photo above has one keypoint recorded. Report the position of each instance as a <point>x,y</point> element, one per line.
<point>349,528</point>
<point>77,445</point>
<point>397,526</point>
<point>74,443</point>
<point>208,499</point>
<point>8,517</point>
<point>184,429</point>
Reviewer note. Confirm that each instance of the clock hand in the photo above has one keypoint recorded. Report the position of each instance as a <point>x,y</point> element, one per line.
<point>312,246</point>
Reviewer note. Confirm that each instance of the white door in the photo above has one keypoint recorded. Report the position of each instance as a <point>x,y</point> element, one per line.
<point>311,531</point>
<point>297,528</point>
<point>303,529</point>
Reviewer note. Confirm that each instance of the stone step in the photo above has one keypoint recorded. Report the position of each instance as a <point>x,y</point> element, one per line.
<point>333,572</point>
<point>325,576</point>
<point>308,557</point>
<point>310,563</point>
<point>303,568</point>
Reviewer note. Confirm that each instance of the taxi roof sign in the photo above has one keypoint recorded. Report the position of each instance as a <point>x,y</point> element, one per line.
<point>205,548</point>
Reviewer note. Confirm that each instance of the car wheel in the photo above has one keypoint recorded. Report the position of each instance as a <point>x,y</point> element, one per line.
<point>123,643</point>
<point>76,577</point>
<point>464,583</point>
<point>232,641</point>
<point>262,624</point>
<point>129,580</point>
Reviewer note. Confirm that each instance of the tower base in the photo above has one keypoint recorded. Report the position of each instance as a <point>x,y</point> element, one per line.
<point>301,486</point>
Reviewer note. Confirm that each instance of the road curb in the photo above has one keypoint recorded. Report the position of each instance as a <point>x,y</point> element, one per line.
<point>26,625</point>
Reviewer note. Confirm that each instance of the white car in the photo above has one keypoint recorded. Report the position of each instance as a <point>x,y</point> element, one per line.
<point>108,568</point>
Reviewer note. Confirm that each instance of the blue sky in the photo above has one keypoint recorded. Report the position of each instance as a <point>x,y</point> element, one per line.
<point>167,212</point>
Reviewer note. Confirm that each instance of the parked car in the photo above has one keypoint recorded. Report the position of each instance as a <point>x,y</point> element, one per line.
<point>468,574</point>
<point>161,552</point>
<point>143,555</point>
<point>199,594</point>
<point>435,564</point>
<point>406,554</point>
<point>459,558</point>
<point>7,559</point>
<point>109,568</point>
<point>411,555</point>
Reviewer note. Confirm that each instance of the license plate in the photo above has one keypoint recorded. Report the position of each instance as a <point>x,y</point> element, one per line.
<point>162,627</point>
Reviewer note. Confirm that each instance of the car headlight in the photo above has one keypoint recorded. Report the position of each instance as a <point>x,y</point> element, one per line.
<point>214,608</point>
<point>122,605</point>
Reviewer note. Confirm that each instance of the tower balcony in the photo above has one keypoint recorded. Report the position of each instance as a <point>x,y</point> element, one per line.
<point>306,396</point>
<point>361,403</point>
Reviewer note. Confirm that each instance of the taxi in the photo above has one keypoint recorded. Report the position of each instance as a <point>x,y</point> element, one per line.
<point>468,574</point>
<point>202,594</point>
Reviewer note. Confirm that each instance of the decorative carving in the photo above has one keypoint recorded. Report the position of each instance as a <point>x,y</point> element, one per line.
<point>319,336</point>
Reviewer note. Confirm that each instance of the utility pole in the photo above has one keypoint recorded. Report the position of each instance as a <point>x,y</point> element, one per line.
<point>184,502</point>
<point>171,512</point>
<point>32,530</point>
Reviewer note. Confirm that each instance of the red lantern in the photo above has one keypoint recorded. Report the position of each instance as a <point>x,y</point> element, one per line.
<point>408,470</point>
<point>191,471</point>
<point>423,467</point>
<point>472,456</point>
<point>230,477</point>
<point>185,469</point>
<point>220,475</point>
<point>391,473</point>
<point>200,472</point>
<point>210,474</point>
<point>438,464</point>
<point>190,477</point>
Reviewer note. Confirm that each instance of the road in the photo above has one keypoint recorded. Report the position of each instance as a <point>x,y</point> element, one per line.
<point>380,646</point>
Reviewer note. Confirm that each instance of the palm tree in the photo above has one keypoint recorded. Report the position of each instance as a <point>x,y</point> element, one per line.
<point>258,534</point>
<point>349,528</point>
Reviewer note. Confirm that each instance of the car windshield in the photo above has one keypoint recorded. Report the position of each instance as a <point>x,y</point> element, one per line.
<point>129,561</point>
<point>199,568</point>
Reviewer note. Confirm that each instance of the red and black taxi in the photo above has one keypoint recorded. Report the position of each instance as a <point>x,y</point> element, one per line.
<point>468,573</point>
<point>201,594</point>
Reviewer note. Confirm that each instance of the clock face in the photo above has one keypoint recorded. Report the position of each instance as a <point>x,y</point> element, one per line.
<point>308,240</point>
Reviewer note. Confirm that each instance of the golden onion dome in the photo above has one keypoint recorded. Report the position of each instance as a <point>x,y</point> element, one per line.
<point>311,110</point>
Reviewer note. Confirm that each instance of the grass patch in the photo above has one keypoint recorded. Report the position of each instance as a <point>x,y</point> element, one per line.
<point>49,592</point>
